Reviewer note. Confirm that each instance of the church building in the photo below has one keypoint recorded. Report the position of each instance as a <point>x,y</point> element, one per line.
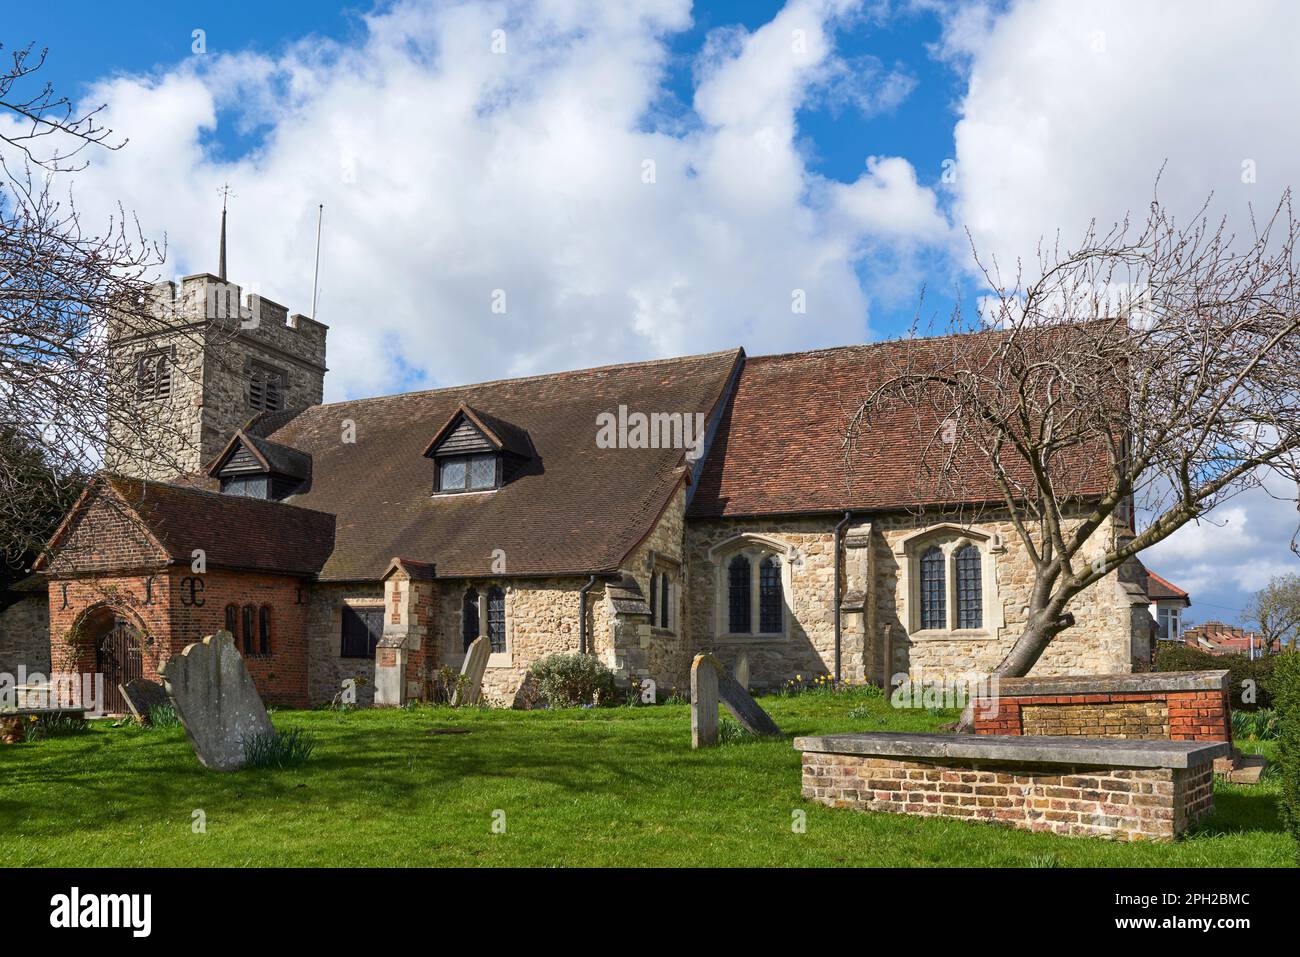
<point>642,513</point>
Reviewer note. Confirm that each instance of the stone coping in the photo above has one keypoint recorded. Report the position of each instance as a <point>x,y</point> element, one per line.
<point>1028,749</point>
<point>1124,683</point>
<point>24,712</point>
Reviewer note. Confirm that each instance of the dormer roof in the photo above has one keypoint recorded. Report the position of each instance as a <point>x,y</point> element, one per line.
<point>464,424</point>
<point>246,453</point>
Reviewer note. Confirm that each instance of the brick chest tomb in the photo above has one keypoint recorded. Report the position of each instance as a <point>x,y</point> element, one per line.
<point>1124,790</point>
<point>1173,705</point>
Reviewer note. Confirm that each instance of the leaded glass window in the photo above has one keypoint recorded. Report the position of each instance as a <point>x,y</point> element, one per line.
<point>482,471</point>
<point>496,619</point>
<point>738,595</point>
<point>934,609</point>
<point>770,610</point>
<point>451,474</point>
<point>970,594</point>
<point>469,617</point>
<point>664,620</point>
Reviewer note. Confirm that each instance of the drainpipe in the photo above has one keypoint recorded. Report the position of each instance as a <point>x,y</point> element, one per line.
<point>839,567</point>
<point>582,614</point>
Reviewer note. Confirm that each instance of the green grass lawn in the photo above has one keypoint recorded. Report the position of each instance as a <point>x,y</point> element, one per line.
<point>612,786</point>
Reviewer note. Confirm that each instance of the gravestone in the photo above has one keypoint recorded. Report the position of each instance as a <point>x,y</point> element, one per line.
<point>704,701</point>
<point>742,671</point>
<point>216,701</point>
<point>142,696</point>
<point>476,659</point>
<point>744,708</point>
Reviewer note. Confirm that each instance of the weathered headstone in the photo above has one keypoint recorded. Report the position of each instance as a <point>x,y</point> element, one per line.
<point>741,672</point>
<point>216,701</point>
<point>142,696</point>
<point>476,659</point>
<point>744,708</point>
<point>704,701</point>
<point>710,684</point>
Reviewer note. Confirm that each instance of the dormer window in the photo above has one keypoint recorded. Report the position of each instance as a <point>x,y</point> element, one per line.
<point>476,452</point>
<point>254,467</point>
<point>467,473</point>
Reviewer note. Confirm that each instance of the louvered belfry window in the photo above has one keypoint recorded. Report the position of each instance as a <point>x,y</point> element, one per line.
<point>153,376</point>
<point>970,599</point>
<point>934,610</point>
<point>770,610</point>
<point>738,595</point>
<point>265,389</point>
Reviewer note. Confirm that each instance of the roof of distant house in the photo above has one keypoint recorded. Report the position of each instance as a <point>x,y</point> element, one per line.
<point>1159,588</point>
<point>1222,638</point>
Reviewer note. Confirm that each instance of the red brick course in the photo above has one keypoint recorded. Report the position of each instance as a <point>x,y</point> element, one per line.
<point>1192,715</point>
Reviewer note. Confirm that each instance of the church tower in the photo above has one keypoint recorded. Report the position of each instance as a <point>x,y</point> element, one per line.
<point>196,363</point>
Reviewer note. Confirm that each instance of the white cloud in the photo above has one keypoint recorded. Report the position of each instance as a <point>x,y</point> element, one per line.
<point>1069,112</point>
<point>449,171</point>
<point>1071,109</point>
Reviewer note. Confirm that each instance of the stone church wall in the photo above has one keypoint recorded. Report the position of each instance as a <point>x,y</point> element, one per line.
<point>877,641</point>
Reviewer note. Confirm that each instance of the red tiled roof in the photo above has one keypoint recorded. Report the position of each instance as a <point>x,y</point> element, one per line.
<point>780,447</point>
<point>233,532</point>
<point>1217,637</point>
<point>1158,588</point>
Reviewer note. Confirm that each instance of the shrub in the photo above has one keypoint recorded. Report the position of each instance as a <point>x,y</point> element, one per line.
<point>1287,688</point>
<point>1177,657</point>
<point>278,750</point>
<point>567,681</point>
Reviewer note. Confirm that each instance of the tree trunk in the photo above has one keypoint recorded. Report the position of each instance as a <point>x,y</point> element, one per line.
<point>1024,654</point>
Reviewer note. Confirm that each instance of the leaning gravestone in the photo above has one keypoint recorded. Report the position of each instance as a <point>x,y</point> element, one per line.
<point>142,696</point>
<point>476,659</point>
<point>744,708</point>
<point>216,701</point>
<point>704,701</point>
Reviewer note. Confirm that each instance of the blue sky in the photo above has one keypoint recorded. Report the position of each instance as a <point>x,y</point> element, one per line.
<point>795,148</point>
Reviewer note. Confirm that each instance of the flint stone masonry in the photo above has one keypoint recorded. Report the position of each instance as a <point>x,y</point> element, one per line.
<point>1175,705</point>
<point>1121,790</point>
<point>216,701</point>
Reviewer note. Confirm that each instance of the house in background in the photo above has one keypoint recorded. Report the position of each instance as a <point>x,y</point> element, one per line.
<point>1219,638</point>
<point>1167,604</point>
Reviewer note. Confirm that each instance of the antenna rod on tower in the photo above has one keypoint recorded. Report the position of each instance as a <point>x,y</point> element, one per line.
<point>315,279</point>
<point>221,267</point>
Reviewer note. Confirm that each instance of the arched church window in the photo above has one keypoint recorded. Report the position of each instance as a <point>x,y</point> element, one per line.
<point>934,587</point>
<point>739,592</point>
<point>970,591</point>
